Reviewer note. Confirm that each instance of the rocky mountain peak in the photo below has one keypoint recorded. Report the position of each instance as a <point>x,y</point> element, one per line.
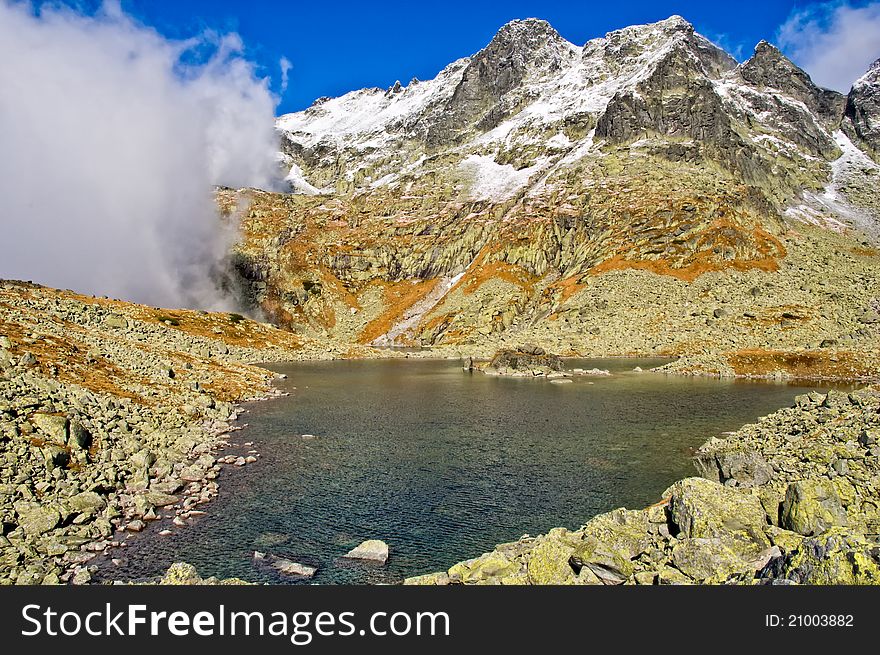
<point>525,32</point>
<point>521,50</point>
<point>870,78</point>
<point>863,109</point>
<point>769,68</point>
<point>646,45</point>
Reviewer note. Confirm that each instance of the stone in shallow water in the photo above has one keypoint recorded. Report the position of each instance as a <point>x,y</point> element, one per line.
<point>371,550</point>
<point>286,566</point>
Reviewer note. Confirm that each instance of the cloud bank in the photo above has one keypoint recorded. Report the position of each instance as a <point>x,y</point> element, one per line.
<point>111,140</point>
<point>834,42</point>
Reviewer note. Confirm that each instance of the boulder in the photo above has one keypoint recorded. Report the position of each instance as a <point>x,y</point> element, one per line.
<point>159,499</point>
<point>711,559</point>
<point>36,519</point>
<point>520,360</point>
<point>747,467</point>
<point>78,437</point>
<point>548,563</point>
<point>837,557</point>
<point>621,530</point>
<point>702,509</point>
<point>811,507</point>
<point>434,579</point>
<point>86,502</point>
<point>143,459</point>
<point>51,426</point>
<point>610,566</point>
<point>181,573</point>
<point>116,321</point>
<point>371,550</point>
<point>488,568</point>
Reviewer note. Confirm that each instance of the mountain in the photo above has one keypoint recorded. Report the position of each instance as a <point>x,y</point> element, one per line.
<point>642,193</point>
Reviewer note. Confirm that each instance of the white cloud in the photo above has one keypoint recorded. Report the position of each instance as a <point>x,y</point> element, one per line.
<point>110,144</point>
<point>285,65</point>
<point>835,42</point>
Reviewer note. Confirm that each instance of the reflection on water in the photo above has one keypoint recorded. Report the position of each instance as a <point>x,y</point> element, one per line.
<point>443,464</point>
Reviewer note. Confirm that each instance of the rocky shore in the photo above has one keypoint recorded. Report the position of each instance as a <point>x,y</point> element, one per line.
<point>112,416</point>
<point>790,499</point>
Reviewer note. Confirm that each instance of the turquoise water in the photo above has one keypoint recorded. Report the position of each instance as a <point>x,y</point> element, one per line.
<point>443,464</point>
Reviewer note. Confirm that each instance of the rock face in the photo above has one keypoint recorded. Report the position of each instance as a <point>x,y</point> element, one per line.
<point>769,68</point>
<point>863,108</point>
<point>371,550</point>
<point>799,521</point>
<point>577,196</point>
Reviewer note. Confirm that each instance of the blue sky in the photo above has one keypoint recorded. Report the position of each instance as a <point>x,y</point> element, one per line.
<point>335,47</point>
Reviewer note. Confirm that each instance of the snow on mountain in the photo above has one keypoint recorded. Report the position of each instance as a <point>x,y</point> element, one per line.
<point>530,102</point>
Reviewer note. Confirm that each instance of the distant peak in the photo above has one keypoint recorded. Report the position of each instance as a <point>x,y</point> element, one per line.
<point>676,22</point>
<point>768,57</point>
<point>766,48</point>
<point>525,24</point>
<point>526,30</point>
<point>871,75</point>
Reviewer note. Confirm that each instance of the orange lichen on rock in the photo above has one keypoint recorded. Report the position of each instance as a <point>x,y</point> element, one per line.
<point>567,287</point>
<point>478,275</point>
<point>810,364</point>
<point>699,265</point>
<point>397,298</point>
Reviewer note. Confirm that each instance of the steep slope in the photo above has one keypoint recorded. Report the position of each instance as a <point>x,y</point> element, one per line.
<point>601,199</point>
<point>863,109</point>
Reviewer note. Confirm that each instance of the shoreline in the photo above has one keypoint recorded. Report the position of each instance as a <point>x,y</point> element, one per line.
<point>112,414</point>
<point>783,500</point>
<point>430,577</point>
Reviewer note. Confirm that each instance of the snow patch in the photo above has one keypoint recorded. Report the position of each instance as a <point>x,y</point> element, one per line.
<point>299,183</point>
<point>830,208</point>
<point>494,181</point>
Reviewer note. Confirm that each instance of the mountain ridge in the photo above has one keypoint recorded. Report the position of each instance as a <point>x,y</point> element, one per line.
<point>479,207</point>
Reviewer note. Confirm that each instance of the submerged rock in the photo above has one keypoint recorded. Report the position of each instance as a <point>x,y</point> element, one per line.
<point>286,566</point>
<point>371,550</point>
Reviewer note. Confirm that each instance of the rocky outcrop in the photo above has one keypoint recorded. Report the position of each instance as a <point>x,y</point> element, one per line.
<point>798,505</point>
<point>482,98</point>
<point>526,360</point>
<point>111,416</point>
<point>769,68</point>
<point>863,109</point>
